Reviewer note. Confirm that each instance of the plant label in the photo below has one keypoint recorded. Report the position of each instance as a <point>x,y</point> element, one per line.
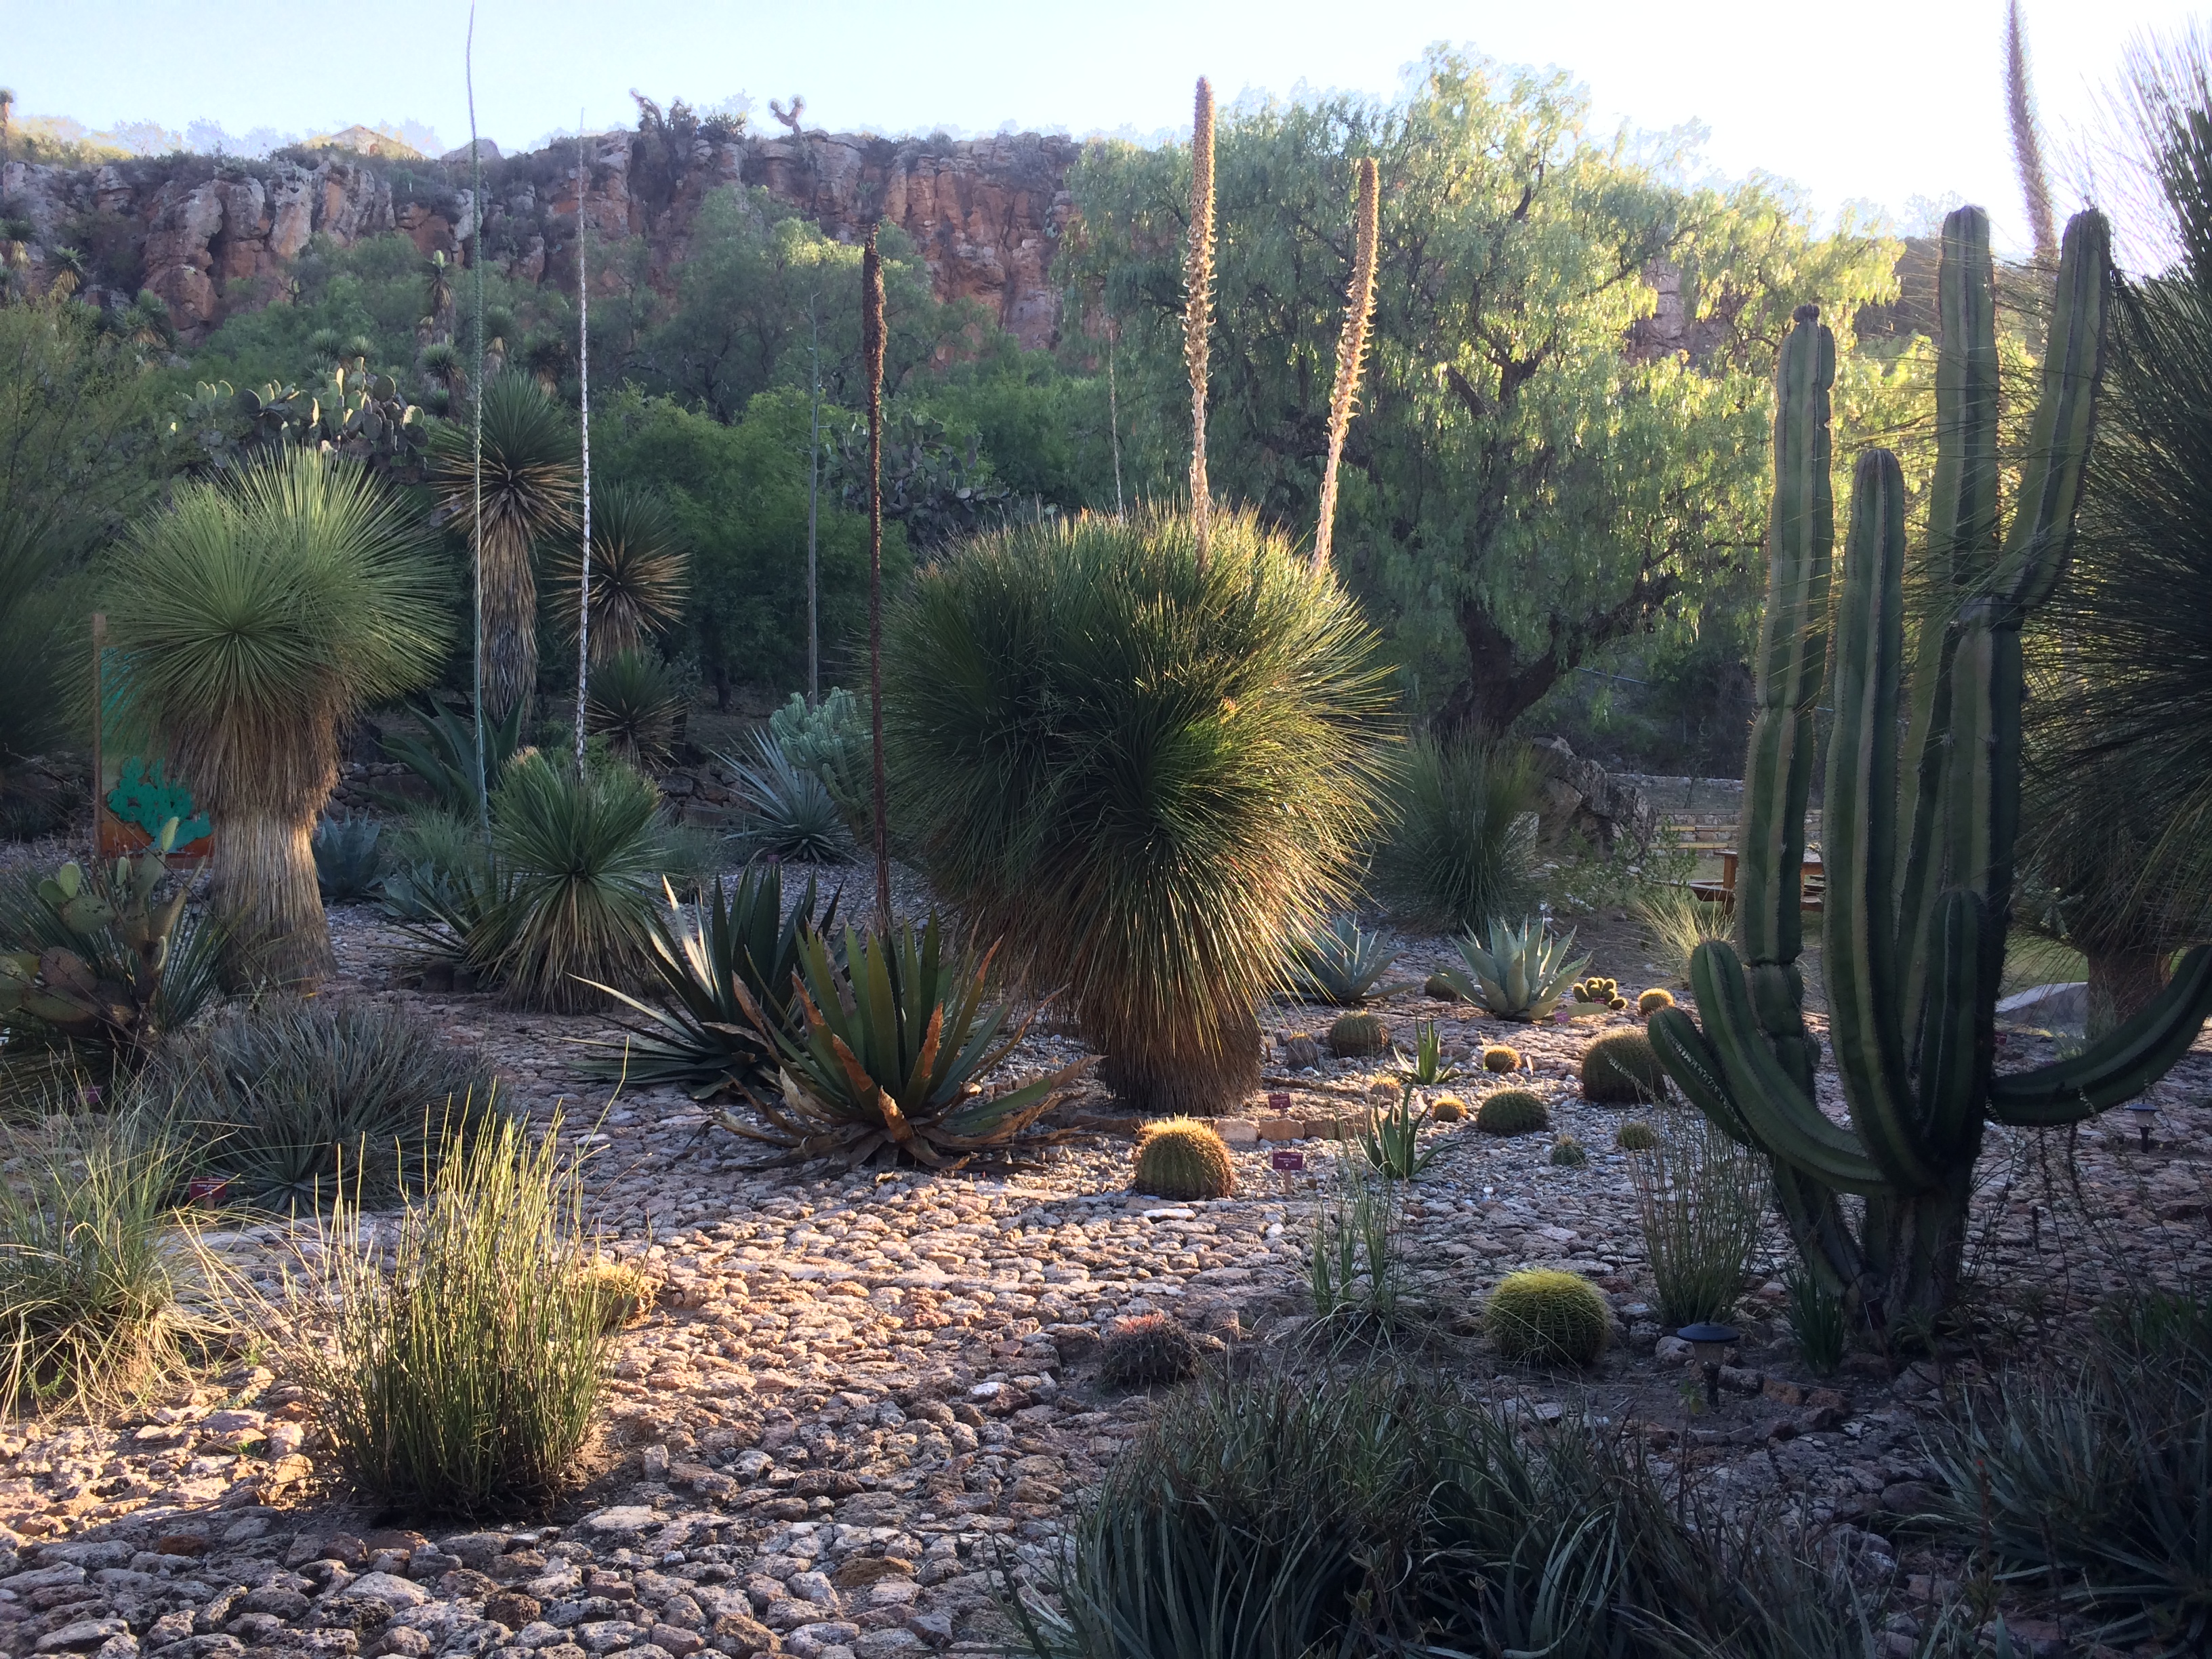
<point>1288,1161</point>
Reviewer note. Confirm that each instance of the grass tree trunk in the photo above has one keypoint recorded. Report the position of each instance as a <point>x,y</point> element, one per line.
<point>264,894</point>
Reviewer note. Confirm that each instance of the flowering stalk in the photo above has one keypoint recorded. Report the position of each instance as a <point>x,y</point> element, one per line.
<point>1197,319</point>
<point>1351,350</point>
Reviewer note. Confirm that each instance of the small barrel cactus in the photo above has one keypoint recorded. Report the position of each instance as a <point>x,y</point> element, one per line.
<point>1501,1057</point>
<point>1183,1157</point>
<point>1436,986</point>
<point>1622,1069</point>
<point>1354,1037</point>
<point>620,1295</point>
<point>1567,1153</point>
<point>1636,1137</point>
<point>1653,1000</point>
<point>1149,1349</point>
<point>1447,1108</point>
<point>1512,1112</point>
<point>1547,1316</point>
<point>1300,1052</point>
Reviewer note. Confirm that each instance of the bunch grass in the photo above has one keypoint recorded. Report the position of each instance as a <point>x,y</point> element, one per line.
<point>1701,1204</point>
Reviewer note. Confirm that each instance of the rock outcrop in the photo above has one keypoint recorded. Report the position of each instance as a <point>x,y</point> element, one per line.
<point>213,237</point>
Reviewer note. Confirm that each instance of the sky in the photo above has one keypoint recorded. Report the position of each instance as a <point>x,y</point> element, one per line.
<point>1884,102</point>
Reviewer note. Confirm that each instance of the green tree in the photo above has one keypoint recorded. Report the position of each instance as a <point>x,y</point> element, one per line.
<point>1562,440</point>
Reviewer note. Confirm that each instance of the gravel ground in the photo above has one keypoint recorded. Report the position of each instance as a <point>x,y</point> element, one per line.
<point>855,1391</point>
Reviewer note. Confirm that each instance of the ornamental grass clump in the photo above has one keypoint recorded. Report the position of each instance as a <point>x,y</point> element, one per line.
<point>896,1033</point>
<point>294,1100</point>
<point>1143,769</point>
<point>105,1295</point>
<point>1701,1200</point>
<point>461,1376</point>
<point>257,614</point>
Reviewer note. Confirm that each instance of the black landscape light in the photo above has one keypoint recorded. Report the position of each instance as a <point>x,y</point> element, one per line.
<point>1710,1343</point>
<point>2145,1113</point>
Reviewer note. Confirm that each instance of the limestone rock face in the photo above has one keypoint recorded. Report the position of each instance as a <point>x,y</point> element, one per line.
<point>215,236</point>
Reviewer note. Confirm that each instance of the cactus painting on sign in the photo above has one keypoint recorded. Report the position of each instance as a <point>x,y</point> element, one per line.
<point>1919,844</point>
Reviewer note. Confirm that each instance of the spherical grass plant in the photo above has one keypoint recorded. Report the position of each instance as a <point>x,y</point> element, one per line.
<point>1145,770</point>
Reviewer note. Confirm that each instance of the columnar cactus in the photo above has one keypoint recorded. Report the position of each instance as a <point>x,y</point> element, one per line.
<point>1918,847</point>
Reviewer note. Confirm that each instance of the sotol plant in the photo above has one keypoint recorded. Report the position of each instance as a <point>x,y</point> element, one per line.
<point>1919,847</point>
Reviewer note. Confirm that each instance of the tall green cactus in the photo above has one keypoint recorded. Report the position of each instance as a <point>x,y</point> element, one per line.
<point>1919,845</point>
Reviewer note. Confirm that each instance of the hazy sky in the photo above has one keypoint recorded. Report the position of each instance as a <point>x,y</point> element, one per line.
<point>1879,101</point>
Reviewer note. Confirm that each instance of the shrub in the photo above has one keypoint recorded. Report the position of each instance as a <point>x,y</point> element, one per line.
<point>1354,1037</point>
<point>2092,1473</point>
<point>1622,1069</point>
<point>1144,770</point>
<point>894,1042</point>
<point>1636,1137</point>
<point>1512,1112</point>
<point>1447,1108</point>
<point>348,859</point>
<point>1701,1199</point>
<point>1500,1059</point>
<point>1147,1350</point>
<point>1549,1316</point>
<point>1340,964</point>
<point>700,1037</point>
<point>1366,1512</point>
<point>790,813</point>
<point>1183,1157</point>
<point>1816,1321</point>
<point>1461,842</point>
<point>576,861</point>
<point>462,1378</point>
<point>1519,972</point>
<point>297,1101</point>
<point>258,614</point>
<point>1567,1153</point>
<point>97,1301</point>
<point>1653,1000</point>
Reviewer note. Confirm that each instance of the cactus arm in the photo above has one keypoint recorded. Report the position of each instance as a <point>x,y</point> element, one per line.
<point>1781,1116</point>
<point>1818,1228</point>
<point>1958,1044</point>
<point>1800,540</point>
<point>2118,1067</point>
<point>1962,502</point>
<point>1696,1070</point>
<point>2058,447</point>
<point>1923,853</point>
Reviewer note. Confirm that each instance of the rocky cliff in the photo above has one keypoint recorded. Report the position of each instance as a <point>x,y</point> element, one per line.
<point>212,236</point>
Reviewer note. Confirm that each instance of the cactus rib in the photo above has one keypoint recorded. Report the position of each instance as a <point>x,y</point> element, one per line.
<point>2042,532</point>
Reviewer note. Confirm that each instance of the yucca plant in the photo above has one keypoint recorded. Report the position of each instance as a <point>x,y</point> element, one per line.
<point>1461,845</point>
<point>1516,973</point>
<point>529,492</point>
<point>699,1039</point>
<point>638,576</point>
<point>444,754</point>
<point>896,1038</point>
<point>1342,965</point>
<point>256,616</point>
<point>633,704</point>
<point>297,1100</point>
<point>790,812</point>
<point>1144,771</point>
<point>462,1376</point>
<point>575,862</point>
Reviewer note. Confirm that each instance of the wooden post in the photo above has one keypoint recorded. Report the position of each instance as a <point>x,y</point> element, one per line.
<point>98,718</point>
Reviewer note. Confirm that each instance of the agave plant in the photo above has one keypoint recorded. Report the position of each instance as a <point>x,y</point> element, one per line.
<point>444,756</point>
<point>347,858</point>
<point>1519,972</point>
<point>887,1061</point>
<point>702,1040</point>
<point>1340,964</point>
<point>1427,1068</point>
<point>791,812</point>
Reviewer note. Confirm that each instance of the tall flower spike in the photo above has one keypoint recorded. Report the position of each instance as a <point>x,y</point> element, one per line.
<point>871,352</point>
<point>1198,303</point>
<point>1351,350</point>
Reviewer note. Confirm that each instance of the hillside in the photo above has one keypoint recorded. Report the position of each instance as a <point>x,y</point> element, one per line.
<point>211,236</point>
